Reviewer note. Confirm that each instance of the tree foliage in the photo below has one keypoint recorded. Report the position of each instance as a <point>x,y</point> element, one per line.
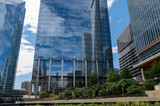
<point>112,75</point>
<point>135,90</point>
<point>154,71</point>
<point>77,93</point>
<point>79,84</point>
<point>93,78</point>
<point>126,73</point>
<point>88,93</point>
<point>68,93</point>
<point>149,84</point>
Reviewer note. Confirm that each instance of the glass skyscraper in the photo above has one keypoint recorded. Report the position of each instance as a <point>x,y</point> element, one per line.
<point>145,20</point>
<point>12,14</point>
<point>68,30</point>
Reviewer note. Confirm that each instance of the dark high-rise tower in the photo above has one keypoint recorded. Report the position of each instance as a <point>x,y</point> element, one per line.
<point>101,39</point>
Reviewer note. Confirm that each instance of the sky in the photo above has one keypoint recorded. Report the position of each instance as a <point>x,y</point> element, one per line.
<point>119,19</point>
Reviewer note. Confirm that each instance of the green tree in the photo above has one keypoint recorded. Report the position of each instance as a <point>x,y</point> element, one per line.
<point>135,89</point>
<point>102,92</point>
<point>149,84</point>
<point>154,71</point>
<point>41,95</point>
<point>113,89</point>
<point>77,93</point>
<point>93,78</point>
<point>68,93</point>
<point>88,93</point>
<point>112,75</point>
<point>126,73</point>
<point>46,94</point>
<point>79,84</point>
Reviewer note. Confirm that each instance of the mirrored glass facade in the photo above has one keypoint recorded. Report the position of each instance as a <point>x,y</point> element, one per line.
<point>12,14</point>
<point>72,29</point>
<point>145,20</point>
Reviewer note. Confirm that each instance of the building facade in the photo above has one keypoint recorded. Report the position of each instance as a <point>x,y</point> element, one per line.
<point>12,14</point>
<point>145,20</point>
<point>26,85</point>
<point>71,36</point>
<point>127,52</point>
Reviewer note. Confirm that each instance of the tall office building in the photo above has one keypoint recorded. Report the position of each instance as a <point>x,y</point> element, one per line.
<point>127,52</point>
<point>68,29</point>
<point>12,14</point>
<point>101,39</point>
<point>145,20</point>
<point>26,86</point>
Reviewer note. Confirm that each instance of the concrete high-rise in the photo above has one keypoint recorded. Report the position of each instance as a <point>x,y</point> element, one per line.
<point>145,20</point>
<point>127,52</point>
<point>12,14</point>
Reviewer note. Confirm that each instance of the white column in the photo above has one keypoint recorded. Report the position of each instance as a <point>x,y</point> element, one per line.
<point>37,80</point>
<point>85,70</point>
<point>50,70</point>
<point>62,72</point>
<point>142,72</point>
<point>74,76</point>
<point>97,70</point>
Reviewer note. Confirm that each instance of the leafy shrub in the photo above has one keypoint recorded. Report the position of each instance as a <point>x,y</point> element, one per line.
<point>102,92</point>
<point>149,84</point>
<point>93,78</point>
<point>112,75</point>
<point>7,94</point>
<point>51,95</point>
<point>41,95</point>
<point>123,103</point>
<point>135,89</point>
<point>56,98</point>
<point>77,93</point>
<point>61,95</point>
<point>68,93</point>
<point>88,93</point>
<point>1,100</point>
<point>79,84</point>
<point>113,89</point>
<point>12,100</point>
<point>46,94</point>
<point>156,104</point>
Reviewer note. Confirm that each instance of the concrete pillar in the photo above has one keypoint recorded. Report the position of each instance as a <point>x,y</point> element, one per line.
<point>85,71</point>
<point>62,61</point>
<point>74,73</point>
<point>50,70</point>
<point>37,80</point>
<point>142,72</point>
<point>97,70</point>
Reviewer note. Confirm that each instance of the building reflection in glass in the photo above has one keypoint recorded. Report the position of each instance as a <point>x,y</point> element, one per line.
<point>73,29</point>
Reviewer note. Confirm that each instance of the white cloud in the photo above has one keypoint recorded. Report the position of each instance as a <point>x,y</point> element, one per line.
<point>115,49</point>
<point>110,19</point>
<point>119,21</point>
<point>110,3</point>
<point>32,14</point>
<point>25,62</point>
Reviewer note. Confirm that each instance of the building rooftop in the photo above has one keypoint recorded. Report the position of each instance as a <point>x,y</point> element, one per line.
<point>12,1</point>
